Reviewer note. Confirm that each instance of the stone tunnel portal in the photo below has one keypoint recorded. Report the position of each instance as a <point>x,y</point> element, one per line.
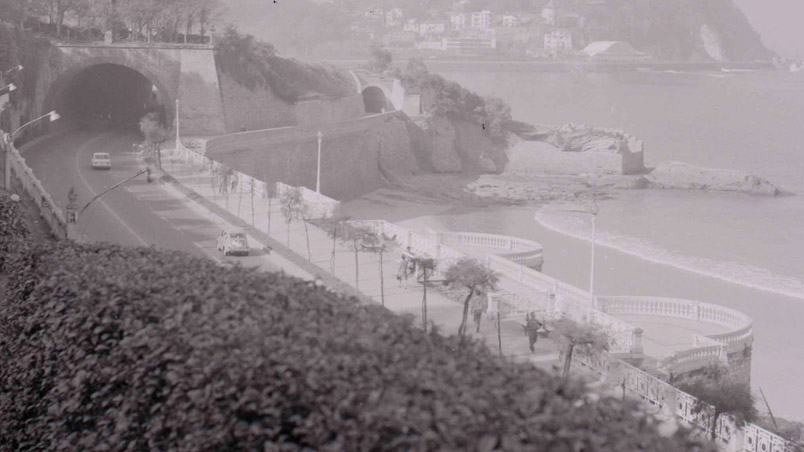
<point>109,96</point>
<point>375,100</point>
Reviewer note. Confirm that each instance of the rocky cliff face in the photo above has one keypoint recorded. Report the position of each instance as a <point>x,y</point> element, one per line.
<point>445,145</point>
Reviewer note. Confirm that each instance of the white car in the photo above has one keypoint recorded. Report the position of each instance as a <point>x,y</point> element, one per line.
<point>101,160</point>
<point>233,242</point>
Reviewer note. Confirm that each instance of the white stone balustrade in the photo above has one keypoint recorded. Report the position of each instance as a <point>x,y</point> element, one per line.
<point>49,210</point>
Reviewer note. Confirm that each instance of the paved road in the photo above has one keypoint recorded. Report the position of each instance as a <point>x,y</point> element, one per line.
<point>136,213</point>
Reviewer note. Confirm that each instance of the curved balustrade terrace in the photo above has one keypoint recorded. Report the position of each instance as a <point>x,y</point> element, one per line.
<point>741,325</point>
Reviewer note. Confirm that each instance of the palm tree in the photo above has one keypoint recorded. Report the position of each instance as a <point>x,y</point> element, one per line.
<point>573,335</point>
<point>428,266</point>
<point>473,275</point>
<point>294,207</point>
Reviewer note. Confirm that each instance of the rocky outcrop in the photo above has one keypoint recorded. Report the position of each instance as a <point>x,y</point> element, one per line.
<point>452,146</point>
<point>680,175</point>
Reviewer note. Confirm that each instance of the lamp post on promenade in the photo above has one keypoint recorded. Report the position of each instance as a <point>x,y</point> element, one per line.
<point>9,141</point>
<point>318,170</point>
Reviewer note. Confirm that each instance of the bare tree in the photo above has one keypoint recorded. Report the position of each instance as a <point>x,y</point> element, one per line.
<point>155,134</point>
<point>470,274</point>
<point>574,336</point>
<point>377,242</point>
<point>355,237</point>
<point>714,389</point>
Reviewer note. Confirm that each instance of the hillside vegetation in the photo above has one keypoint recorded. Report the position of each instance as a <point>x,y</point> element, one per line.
<point>252,64</point>
<point>106,347</point>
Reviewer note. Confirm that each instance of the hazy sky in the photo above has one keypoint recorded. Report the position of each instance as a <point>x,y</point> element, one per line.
<point>779,22</point>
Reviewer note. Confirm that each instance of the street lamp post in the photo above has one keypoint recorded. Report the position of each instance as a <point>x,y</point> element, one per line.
<point>592,265</point>
<point>318,170</point>
<point>15,68</point>
<point>9,141</point>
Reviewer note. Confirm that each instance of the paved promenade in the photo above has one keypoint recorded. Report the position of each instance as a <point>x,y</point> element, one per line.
<point>265,215</point>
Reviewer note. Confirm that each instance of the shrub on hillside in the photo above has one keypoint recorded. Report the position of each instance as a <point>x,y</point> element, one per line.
<point>443,97</point>
<point>133,348</point>
<point>255,64</point>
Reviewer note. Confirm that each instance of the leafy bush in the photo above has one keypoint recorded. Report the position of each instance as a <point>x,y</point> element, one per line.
<point>106,347</point>
<point>255,64</point>
<point>443,97</point>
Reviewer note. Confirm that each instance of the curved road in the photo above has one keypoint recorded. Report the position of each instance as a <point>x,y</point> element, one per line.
<point>136,213</point>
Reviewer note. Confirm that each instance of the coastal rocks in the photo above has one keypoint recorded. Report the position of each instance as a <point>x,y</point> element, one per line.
<point>578,148</point>
<point>680,175</point>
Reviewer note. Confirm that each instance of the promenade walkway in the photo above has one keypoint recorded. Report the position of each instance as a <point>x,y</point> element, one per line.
<point>264,214</point>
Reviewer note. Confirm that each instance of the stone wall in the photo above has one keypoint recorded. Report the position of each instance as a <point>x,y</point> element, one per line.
<point>253,109</point>
<point>350,154</point>
<point>311,113</point>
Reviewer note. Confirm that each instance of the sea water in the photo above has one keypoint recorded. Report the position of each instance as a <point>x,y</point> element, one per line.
<point>734,249</point>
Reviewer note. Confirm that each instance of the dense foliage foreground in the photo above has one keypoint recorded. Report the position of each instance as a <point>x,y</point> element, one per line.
<point>112,348</point>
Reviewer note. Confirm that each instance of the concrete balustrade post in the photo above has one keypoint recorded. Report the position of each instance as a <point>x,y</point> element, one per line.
<point>636,343</point>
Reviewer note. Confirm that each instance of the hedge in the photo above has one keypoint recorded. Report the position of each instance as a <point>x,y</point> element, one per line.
<point>112,348</point>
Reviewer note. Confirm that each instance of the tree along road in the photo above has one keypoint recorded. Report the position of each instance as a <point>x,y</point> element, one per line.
<point>134,214</point>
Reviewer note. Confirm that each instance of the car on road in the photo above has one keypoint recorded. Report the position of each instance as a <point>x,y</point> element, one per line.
<point>233,242</point>
<point>101,160</point>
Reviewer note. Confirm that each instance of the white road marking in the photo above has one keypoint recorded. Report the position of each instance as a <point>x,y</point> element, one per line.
<point>94,193</point>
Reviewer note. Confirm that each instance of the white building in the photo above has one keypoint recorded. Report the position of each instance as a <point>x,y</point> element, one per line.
<point>468,44</point>
<point>458,21</point>
<point>549,13</point>
<point>558,39</point>
<point>411,25</point>
<point>510,20</point>
<point>374,14</point>
<point>432,29</point>
<point>393,17</point>
<point>481,19</point>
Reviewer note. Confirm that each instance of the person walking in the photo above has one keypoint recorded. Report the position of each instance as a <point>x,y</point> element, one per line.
<point>480,304</point>
<point>402,273</point>
<point>532,327</point>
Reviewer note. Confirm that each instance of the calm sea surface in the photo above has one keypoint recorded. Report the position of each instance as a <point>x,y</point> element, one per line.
<point>737,250</point>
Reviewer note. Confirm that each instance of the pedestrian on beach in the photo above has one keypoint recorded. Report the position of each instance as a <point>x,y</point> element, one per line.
<point>480,304</point>
<point>532,327</point>
<point>402,273</point>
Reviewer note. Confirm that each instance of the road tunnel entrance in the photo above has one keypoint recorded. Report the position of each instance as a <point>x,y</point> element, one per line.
<point>375,100</point>
<point>109,96</point>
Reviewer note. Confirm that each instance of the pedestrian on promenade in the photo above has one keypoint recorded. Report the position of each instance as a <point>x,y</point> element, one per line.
<point>411,260</point>
<point>480,304</point>
<point>532,327</point>
<point>402,273</point>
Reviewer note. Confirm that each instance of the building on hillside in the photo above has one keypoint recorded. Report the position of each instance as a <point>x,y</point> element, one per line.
<point>458,21</point>
<point>466,44</point>
<point>614,52</point>
<point>510,20</point>
<point>374,14</point>
<point>432,29</point>
<point>393,17</point>
<point>411,25</point>
<point>549,13</point>
<point>481,20</point>
<point>558,40</point>
<point>429,45</point>
<point>399,38</point>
